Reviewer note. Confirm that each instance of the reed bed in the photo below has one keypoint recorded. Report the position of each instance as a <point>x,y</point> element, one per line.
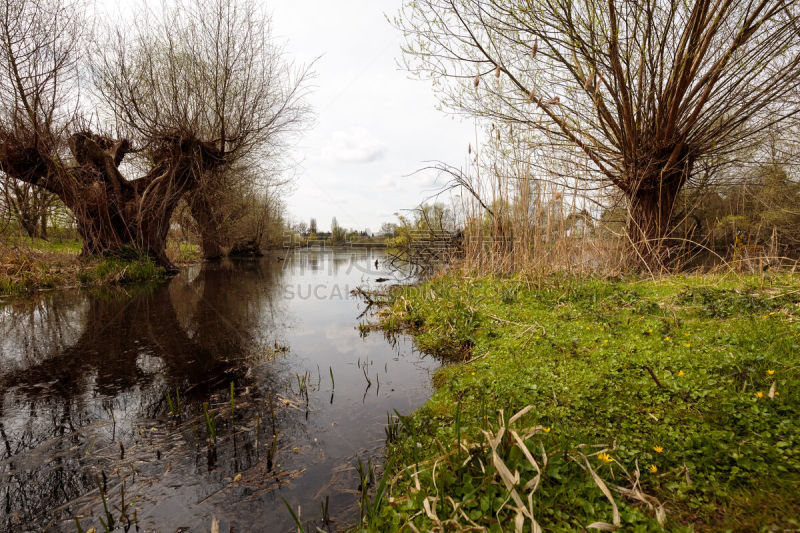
<point>521,209</point>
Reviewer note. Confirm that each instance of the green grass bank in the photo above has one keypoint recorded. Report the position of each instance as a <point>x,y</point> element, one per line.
<point>34,264</point>
<point>645,406</point>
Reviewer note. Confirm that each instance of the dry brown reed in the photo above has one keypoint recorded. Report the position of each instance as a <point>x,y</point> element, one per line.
<point>526,211</point>
<point>518,218</point>
<point>495,448</point>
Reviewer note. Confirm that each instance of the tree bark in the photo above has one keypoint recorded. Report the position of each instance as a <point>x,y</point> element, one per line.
<point>29,206</point>
<point>30,227</point>
<point>113,213</point>
<point>203,214</point>
<point>651,208</point>
<point>43,225</point>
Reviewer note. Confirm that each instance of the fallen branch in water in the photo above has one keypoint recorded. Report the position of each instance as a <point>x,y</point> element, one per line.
<point>372,297</point>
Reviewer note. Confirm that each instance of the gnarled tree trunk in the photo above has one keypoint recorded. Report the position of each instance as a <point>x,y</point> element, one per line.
<point>649,223</point>
<point>651,202</point>
<point>111,212</point>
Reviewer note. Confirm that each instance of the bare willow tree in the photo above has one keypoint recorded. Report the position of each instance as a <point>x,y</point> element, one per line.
<point>30,206</point>
<point>39,44</point>
<point>209,67</point>
<point>189,93</point>
<point>649,92</point>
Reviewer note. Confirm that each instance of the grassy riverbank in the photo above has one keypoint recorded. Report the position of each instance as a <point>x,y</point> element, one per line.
<point>672,401</point>
<point>31,265</point>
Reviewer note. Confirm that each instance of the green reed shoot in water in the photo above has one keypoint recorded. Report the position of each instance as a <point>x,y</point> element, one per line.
<point>210,424</point>
<point>174,407</point>
<point>108,525</point>
<point>296,519</point>
<point>170,405</point>
<point>326,517</point>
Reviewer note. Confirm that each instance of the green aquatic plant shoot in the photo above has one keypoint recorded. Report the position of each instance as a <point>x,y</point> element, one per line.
<point>210,424</point>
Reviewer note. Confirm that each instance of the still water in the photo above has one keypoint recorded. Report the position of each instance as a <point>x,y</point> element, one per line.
<point>102,396</point>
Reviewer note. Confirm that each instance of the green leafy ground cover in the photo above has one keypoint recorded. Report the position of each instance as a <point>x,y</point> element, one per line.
<point>669,404</point>
<point>36,264</point>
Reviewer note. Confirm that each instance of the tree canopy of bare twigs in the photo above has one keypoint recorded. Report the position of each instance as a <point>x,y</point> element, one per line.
<point>651,93</point>
<point>184,96</point>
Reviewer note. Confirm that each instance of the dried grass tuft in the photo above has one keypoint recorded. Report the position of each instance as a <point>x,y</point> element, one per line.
<point>495,448</point>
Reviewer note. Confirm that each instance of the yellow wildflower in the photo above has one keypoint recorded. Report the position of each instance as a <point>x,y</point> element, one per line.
<point>760,394</point>
<point>770,372</point>
<point>681,373</point>
<point>604,457</point>
<point>688,345</point>
<point>653,469</point>
<point>658,449</point>
<point>650,330</point>
<point>605,340</point>
<point>546,430</point>
<point>667,338</point>
<point>473,373</point>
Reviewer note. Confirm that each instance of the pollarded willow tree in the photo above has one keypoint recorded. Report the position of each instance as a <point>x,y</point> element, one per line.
<point>645,90</point>
<point>190,92</point>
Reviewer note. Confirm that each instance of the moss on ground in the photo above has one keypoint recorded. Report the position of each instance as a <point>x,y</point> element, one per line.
<point>680,395</point>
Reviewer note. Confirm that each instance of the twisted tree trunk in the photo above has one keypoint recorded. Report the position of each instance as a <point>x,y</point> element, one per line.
<point>113,213</point>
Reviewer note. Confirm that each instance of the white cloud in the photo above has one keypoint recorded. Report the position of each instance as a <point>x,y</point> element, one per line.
<point>355,145</point>
<point>374,125</point>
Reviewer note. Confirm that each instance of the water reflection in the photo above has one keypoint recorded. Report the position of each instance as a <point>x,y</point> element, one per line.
<point>83,377</point>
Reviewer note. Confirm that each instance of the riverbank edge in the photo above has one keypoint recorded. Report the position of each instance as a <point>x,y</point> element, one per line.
<point>614,353</point>
<point>29,272</point>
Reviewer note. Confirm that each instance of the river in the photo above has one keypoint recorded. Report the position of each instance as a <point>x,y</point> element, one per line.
<point>102,396</point>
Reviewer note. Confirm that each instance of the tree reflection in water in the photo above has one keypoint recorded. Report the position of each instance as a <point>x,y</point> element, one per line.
<point>82,372</point>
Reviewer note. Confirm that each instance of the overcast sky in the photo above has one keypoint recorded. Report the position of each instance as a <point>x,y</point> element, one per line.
<point>374,125</point>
